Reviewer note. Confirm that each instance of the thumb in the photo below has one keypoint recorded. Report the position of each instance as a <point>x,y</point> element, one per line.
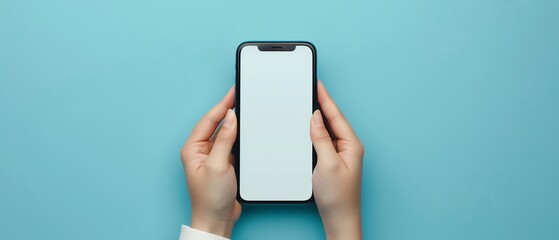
<point>327,155</point>
<point>219,155</point>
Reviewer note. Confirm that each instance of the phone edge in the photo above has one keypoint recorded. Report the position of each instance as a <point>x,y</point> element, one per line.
<point>236,147</point>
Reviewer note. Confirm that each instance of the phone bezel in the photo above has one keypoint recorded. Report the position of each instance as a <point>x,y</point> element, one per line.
<point>236,147</point>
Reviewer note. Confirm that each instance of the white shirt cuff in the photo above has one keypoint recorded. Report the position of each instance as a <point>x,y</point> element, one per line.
<point>188,233</point>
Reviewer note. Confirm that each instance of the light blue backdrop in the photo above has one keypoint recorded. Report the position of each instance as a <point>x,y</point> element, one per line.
<point>457,103</point>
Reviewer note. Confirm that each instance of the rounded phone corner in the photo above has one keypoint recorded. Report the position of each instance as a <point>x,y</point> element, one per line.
<point>308,44</point>
<point>242,45</point>
<point>310,199</point>
<point>240,198</point>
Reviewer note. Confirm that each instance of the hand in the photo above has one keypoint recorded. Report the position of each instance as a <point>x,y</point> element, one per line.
<point>337,175</point>
<point>209,171</point>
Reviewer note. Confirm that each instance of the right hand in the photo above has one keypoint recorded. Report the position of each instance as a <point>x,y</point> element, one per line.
<point>337,175</point>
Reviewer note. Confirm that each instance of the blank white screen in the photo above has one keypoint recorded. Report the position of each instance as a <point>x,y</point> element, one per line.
<point>276,107</point>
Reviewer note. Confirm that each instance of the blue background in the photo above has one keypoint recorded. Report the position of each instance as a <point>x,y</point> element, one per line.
<point>457,103</point>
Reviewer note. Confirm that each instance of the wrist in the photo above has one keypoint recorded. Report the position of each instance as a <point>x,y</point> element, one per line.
<point>346,226</point>
<point>211,225</point>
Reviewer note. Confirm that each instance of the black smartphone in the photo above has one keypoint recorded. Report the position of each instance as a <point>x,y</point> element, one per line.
<point>275,97</point>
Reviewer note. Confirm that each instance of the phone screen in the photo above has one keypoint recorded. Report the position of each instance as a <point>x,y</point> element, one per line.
<point>275,105</point>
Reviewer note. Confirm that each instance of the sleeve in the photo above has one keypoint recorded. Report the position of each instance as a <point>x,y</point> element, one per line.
<point>188,233</point>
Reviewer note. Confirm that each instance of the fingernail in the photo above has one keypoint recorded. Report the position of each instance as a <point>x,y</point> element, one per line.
<point>317,119</point>
<point>229,117</point>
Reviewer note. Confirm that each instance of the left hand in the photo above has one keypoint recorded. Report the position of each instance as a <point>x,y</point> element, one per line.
<point>209,171</point>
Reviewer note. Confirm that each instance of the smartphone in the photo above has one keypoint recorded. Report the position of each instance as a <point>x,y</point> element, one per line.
<point>275,97</point>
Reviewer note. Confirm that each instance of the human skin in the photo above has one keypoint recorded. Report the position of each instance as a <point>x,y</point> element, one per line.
<point>209,171</point>
<point>337,175</point>
<point>208,164</point>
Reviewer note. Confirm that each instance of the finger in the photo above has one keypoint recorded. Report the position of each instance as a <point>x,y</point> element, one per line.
<point>327,155</point>
<point>221,150</point>
<point>209,122</point>
<point>340,126</point>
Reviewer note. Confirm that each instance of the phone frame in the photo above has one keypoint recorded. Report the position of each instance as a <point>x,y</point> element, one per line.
<point>268,45</point>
